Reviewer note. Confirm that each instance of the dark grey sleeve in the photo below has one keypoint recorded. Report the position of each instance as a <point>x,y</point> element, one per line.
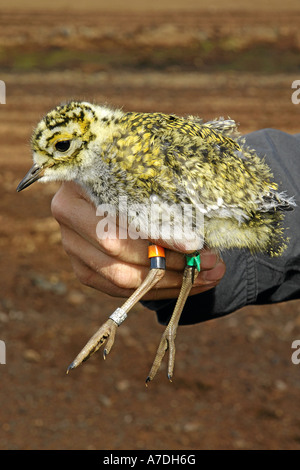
<point>255,279</point>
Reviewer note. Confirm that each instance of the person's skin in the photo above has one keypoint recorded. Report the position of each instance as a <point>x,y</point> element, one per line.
<point>114,266</point>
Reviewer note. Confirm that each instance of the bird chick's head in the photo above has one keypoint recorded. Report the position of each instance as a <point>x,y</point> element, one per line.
<point>63,142</point>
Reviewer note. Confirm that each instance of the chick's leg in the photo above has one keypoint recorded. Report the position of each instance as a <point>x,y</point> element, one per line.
<point>167,341</point>
<point>106,333</point>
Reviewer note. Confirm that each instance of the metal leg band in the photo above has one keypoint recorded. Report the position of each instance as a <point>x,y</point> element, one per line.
<point>118,316</point>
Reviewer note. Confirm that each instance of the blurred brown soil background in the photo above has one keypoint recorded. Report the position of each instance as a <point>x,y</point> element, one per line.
<point>235,386</point>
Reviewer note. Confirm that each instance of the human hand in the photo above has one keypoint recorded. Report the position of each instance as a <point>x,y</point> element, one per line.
<point>118,266</point>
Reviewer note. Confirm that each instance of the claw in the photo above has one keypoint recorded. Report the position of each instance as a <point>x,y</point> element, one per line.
<point>71,366</point>
<point>105,333</point>
<point>167,342</point>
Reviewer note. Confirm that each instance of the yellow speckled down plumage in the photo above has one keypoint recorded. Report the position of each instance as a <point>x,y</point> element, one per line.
<point>182,160</point>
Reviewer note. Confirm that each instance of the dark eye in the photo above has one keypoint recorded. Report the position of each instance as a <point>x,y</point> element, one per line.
<point>63,145</point>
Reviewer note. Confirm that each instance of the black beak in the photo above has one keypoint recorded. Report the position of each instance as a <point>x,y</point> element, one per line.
<point>35,173</point>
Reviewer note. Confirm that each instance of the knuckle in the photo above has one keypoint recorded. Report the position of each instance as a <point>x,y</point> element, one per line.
<point>122,277</point>
<point>66,243</point>
<point>85,275</point>
<point>88,277</point>
<point>57,206</point>
<point>111,246</point>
